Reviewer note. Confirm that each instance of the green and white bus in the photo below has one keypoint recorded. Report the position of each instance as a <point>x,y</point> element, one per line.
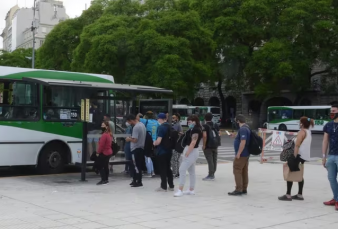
<point>287,117</point>
<point>200,111</point>
<point>40,114</point>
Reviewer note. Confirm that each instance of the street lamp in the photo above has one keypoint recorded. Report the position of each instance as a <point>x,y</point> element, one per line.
<point>33,30</point>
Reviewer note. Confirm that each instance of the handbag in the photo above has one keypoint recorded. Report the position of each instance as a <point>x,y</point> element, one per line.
<point>293,176</point>
<point>288,149</point>
<point>115,147</point>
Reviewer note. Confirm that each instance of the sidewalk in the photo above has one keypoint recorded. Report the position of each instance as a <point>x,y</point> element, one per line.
<point>62,202</point>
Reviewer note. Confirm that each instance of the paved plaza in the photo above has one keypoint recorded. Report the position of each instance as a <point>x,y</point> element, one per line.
<point>62,202</point>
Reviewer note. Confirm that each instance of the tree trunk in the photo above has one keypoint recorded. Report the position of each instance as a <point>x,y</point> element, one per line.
<point>221,95</point>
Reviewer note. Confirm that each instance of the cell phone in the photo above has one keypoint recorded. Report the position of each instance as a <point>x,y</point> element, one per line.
<point>227,132</point>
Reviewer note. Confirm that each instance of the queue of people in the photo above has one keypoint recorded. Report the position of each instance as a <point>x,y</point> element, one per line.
<point>175,164</point>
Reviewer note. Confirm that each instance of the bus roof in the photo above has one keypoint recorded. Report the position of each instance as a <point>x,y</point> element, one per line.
<point>72,79</point>
<point>19,73</point>
<point>178,106</point>
<point>299,107</point>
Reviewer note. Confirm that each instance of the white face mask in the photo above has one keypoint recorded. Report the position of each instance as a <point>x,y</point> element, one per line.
<point>127,124</point>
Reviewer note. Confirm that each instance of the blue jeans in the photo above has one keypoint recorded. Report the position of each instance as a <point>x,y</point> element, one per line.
<point>332,169</point>
<point>149,164</point>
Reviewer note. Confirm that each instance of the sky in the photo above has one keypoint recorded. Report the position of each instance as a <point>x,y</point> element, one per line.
<point>73,8</point>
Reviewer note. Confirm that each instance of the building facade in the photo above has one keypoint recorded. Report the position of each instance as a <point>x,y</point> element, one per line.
<point>18,34</point>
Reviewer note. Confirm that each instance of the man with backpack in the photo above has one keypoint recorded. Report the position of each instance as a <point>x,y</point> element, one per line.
<point>151,125</point>
<point>241,161</point>
<point>211,141</point>
<point>164,153</point>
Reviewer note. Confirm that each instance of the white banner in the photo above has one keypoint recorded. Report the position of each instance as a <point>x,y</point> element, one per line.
<point>277,140</point>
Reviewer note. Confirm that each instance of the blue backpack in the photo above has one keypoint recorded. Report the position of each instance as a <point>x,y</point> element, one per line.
<point>151,127</point>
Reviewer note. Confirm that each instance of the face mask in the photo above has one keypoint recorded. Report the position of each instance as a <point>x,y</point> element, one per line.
<point>127,124</point>
<point>159,123</point>
<point>192,125</point>
<point>333,116</point>
<point>103,129</point>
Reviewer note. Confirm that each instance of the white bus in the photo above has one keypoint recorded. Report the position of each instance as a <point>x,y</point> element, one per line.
<point>40,114</point>
<point>200,111</point>
<point>287,117</point>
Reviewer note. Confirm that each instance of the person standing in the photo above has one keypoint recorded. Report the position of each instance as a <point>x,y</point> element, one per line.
<point>151,125</point>
<point>137,141</point>
<point>301,154</point>
<point>190,155</point>
<point>211,141</point>
<point>127,151</point>
<point>164,153</point>
<point>104,153</point>
<point>241,161</point>
<point>330,161</point>
<point>107,118</point>
<point>175,159</point>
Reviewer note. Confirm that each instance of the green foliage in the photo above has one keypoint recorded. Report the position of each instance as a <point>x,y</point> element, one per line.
<point>18,58</point>
<point>261,45</point>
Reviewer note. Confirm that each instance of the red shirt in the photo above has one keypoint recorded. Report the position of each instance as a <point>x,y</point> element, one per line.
<point>105,144</point>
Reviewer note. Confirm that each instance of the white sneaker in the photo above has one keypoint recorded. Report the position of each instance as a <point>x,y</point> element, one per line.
<point>179,193</point>
<point>188,192</point>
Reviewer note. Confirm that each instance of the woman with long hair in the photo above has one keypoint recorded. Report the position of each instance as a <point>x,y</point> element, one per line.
<point>190,155</point>
<point>104,152</point>
<point>301,153</point>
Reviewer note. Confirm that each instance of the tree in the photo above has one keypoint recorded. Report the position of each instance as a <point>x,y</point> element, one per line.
<point>154,45</point>
<point>18,58</point>
<point>58,49</point>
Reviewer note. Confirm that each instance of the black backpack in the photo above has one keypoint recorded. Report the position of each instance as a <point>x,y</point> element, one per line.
<point>180,144</point>
<point>256,143</point>
<point>214,140</point>
<point>170,139</point>
<point>149,145</point>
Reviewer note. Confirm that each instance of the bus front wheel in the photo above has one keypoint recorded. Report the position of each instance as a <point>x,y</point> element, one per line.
<point>52,159</point>
<point>282,127</point>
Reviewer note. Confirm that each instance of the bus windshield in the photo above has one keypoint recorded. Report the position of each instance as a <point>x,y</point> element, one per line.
<point>277,114</point>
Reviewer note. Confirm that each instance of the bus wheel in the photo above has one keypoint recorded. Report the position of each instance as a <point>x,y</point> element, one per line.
<point>52,159</point>
<point>282,127</point>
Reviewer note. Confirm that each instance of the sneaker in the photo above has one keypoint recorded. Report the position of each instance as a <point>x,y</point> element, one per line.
<point>171,189</point>
<point>102,182</point>
<point>160,190</point>
<point>188,192</point>
<point>179,193</point>
<point>132,183</point>
<point>285,198</point>
<point>209,178</point>
<point>330,203</point>
<point>235,193</point>
<point>297,197</point>
<point>245,192</point>
<point>148,175</point>
<point>137,185</point>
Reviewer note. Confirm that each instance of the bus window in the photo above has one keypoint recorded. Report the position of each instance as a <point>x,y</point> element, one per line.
<point>310,113</point>
<point>297,114</point>
<point>215,110</point>
<point>19,101</point>
<point>279,114</point>
<point>322,114</point>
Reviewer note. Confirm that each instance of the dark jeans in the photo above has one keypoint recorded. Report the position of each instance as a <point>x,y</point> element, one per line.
<point>164,163</point>
<point>137,166</point>
<point>211,156</point>
<point>300,184</point>
<point>103,166</point>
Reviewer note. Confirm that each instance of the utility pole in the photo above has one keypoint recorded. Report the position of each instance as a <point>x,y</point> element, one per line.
<point>33,30</point>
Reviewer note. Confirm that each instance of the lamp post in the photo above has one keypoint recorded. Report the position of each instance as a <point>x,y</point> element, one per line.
<point>33,30</point>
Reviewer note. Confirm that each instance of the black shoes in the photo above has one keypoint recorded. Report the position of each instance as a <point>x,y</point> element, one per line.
<point>235,193</point>
<point>103,182</point>
<point>136,185</point>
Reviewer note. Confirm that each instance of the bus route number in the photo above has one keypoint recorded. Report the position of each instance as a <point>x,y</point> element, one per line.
<point>319,122</point>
